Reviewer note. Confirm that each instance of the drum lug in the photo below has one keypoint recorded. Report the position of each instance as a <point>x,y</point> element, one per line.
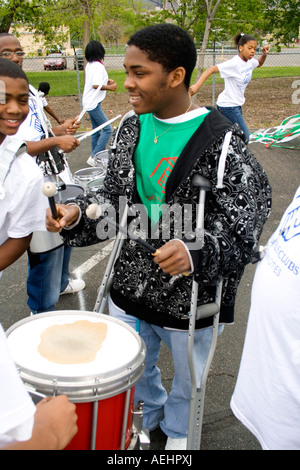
<point>96,389</point>
<point>142,433</point>
<point>54,385</point>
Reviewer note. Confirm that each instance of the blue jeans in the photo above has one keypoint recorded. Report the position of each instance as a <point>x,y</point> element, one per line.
<point>171,411</point>
<point>100,138</point>
<point>48,276</point>
<point>235,115</point>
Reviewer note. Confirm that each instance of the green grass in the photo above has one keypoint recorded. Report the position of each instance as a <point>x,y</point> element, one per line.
<point>267,72</point>
<point>261,72</point>
<point>65,82</point>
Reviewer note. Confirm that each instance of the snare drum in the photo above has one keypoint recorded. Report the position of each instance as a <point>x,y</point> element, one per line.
<point>85,175</point>
<point>94,186</point>
<point>101,158</point>
<point>71,191</point>
<point>102,388</point>
<point>44,241</point>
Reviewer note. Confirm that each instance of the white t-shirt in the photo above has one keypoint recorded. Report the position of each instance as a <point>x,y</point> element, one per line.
<point>16,407</point>
<point>267,394</point>
<point>95,74</point>
<point>23,208</point>
<point>237,74</point>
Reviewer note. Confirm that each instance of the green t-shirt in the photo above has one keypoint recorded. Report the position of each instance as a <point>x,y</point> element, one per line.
<point>155,161</point>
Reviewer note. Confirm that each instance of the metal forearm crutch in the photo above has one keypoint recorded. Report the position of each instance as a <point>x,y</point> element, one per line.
<point>204,311</point>
<point>123,233</point>
<point>108,275</point>
<point>101,301</point>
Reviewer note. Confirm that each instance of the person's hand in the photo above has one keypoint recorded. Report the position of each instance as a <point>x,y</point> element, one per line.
<point>172,258</point>
<point>67,143</point>
<point>67,215</point>
<point>111,84</point>
<point>71,125</point>
<point>55,423</point>
<point>193,90</point>
<point>266,50</point>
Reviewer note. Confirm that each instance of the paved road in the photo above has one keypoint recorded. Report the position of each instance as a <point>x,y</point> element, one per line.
<point>221,431</point>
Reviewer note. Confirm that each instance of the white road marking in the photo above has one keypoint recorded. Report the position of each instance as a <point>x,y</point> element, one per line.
<point>94,260</point>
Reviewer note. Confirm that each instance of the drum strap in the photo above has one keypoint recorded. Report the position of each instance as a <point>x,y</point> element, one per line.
<point>13,149</point>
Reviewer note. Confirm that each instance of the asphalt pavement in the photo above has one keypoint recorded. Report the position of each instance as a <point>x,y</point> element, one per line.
<point>221,430</point>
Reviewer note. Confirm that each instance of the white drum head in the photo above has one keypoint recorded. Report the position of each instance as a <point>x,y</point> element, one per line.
<point>119,360</point>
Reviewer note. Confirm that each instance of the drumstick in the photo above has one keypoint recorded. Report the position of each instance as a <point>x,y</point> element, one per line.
<point>89,102</point>
<point>49,189</point>
<point>89,133</point>
<point>94,212</point>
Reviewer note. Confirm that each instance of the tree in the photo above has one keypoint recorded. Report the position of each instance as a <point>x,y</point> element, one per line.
<point>283,19</point>
<point>22,11</point>
<point>111,31</point>
<point>83,17</point>
<point>195,16</point>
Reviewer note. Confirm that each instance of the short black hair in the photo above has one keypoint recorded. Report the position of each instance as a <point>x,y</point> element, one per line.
<point>169,45</point>
<point>94,51</point>
<point>44,87</point>
<point>12,70</point>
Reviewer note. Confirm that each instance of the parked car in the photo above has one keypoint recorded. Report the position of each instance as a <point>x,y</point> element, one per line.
<point>55,61</point>
<point>79,56</point>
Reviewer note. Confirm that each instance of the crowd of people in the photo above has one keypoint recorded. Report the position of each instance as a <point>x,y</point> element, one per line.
<point>153,155</point>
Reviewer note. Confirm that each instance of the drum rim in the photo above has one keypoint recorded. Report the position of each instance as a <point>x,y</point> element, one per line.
<point>93,170</point>
<point>73,185</point>
<point>61,197</point>
<point>90,183</point>
<point>90,387</point>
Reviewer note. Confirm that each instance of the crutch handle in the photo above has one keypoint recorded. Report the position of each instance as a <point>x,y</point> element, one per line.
<point>201,182</point>
<point>207,310</point>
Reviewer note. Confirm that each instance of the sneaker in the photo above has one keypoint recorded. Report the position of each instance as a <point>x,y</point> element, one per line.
<point>91,161</point>
<point>75,285</point>
<point>176,444</point>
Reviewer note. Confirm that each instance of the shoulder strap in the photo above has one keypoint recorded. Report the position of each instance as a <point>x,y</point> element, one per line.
<point>14,148</point>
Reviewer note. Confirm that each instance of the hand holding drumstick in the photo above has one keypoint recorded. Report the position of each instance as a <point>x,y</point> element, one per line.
<point>172,257</point>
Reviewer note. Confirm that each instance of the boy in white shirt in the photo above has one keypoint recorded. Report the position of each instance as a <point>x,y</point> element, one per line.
<point>22,205</point>
<point>22,210</point>
<point>48,272</point>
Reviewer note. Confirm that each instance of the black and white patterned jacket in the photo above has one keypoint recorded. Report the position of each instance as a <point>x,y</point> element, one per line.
<point>236,209</point>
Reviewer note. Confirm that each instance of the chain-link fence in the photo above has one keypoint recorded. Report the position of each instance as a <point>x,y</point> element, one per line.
<point>66,77</point>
